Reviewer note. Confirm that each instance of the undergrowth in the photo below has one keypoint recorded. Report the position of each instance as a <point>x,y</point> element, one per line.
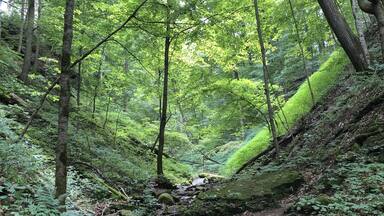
<point>295,108</point>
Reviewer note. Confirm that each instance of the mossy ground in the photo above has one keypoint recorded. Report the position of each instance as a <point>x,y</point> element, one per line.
<point>295,108</point>
<point>252,192</point>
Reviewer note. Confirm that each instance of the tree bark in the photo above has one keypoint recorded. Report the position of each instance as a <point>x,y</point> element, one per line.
<point>64,103</point>
<point>163,120</point>
<point>22,26</point>
<point>1,19</point>
<point>344,34</point>
<point>37,52</point>
<point>376,8</point>
<point>29,38</point>
<point>266,76</point>
<point>359,28</point>
<point>79,79</point>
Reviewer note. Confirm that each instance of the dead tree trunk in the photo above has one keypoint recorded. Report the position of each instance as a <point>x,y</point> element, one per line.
<point>344,34</point>
<point>28,45</point>
<point>61,147</point>
<point>266,76</point>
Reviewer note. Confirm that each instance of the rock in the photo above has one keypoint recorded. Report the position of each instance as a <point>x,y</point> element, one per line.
<point>253,193</point>
<point>211,177</point>
<point>126,213</point>
<point>166,198</point>
<point>199,181</point>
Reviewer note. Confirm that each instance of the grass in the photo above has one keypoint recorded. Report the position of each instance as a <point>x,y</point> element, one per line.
<point>295,108</point>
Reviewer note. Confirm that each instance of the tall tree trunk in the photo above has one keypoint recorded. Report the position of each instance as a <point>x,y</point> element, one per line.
<point>376,8</point>
<point>29,39</point>
<point>37,33</point>
<point>163,120</point>
<point>360,29</point>
<point>22,26</point>
<point>266,76</point>
<point>302,52</point>
<point>61,147</point>
<point>344,34</point>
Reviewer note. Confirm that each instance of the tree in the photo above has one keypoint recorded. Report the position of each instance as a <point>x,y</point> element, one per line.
<point>1,2</point>
<point>22,25</point>
<point>376,8</point>
<point>29,38</point>
<point>61,146</point>
<point>266,76</point>
<point>37,33</point>
<point>360,28</point>
<point>163,120</point>
<point>344,34</point>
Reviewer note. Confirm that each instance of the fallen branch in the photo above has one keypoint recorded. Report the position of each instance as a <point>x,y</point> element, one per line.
<point>96,170</point>
<point>250,162</point>
<point>208,158</point>
<point>39,107</point>
<point>103,180</point>
<point>158,135</point>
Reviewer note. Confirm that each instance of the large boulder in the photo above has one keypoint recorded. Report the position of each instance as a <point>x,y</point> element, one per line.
<point>166,198</point>
<point>252,193</point>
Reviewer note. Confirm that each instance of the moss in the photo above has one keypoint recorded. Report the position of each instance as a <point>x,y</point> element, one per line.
<point>250,193</point>
<point>166,198</point>
<point>294,109</point>
<point>266,184</point>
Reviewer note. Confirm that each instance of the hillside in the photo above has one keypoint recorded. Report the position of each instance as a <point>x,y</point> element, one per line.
<point>331,161</point>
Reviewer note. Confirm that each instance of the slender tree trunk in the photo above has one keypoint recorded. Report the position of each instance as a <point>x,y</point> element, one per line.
<point>29,38</point>
<point>359,28</point>
<point>163,120</point>
<point>266,76</point>
<point>344,34</point>
<point>61,147</point>
<point>37,52</point>
<point>376,8</point>
<point>302,52</point>
<point>22,26</point>
<point>1,19</point>
<point>107,112</point>
<point>79,79</point>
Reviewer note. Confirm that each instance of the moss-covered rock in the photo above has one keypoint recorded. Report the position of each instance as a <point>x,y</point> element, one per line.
<point>251,193</point>
<point>166,198</point>
<point>211,177</point>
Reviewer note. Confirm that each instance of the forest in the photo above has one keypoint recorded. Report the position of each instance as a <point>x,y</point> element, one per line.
<point>191,107</point>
